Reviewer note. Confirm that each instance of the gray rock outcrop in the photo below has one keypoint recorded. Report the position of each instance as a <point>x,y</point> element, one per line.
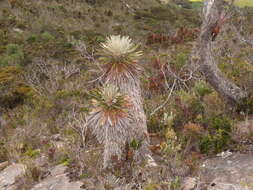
<point>231,173</point>
<point>58,180</point>
<point>9,175</point>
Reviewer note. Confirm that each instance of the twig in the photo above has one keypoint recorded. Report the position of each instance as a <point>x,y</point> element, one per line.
<point>241,38</point>
<point>167,99</point>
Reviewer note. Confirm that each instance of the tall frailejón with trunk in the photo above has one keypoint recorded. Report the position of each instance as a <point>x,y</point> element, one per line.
<point>119,59</point>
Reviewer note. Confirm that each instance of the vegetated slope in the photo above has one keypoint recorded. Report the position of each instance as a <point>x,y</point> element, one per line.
<point>240,3</point>
<point>48,65</point>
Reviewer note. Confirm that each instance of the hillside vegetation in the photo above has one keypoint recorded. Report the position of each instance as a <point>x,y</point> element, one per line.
<point>51,67</point>
<point>240,3</point>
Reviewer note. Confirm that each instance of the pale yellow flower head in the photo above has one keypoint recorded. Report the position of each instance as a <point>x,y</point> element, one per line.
<point>119,48</point>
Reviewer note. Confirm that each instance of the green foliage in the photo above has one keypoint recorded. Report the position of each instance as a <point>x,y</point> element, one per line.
<point>196,107</point>
<point>183,3</point>
<point>2,36</point>
<point>218,138</point>
<point>12,49</point>
<point>4,60</point>
<point>202,89</point>
<point>206,144</point>
<point>85,175</point>
<point>175,184</point>
<point>151,187</point>
<point>32,38</point>
<point>108,98</point>
<point>99,39</point>
<point>180,60</point>
<point>135,144</point>
<point>47,36</point>
<point>32,153</point>
<point>65,160</point>
<point>14,55</point>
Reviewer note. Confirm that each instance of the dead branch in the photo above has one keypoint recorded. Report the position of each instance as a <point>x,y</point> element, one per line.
<point>212,11</point>
<point>167,99</point>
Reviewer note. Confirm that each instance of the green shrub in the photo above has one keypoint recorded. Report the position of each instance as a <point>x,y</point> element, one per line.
<point>14,55</point>
<point>32,153</point>
<point>32,38</point>
<point>12,49</point>
<point>4,61</point>
<point>180,60</point>
<point>47,36</point>
<point>201,88</point>
<point>65,160</point>
<point>218,138</point>
<point>206,144</point>
<point>196,107</point>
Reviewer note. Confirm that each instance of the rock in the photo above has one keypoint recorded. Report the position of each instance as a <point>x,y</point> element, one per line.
<point>56,137</point>
<point>189,183</point>
<point>231,173</point>
<point>9,174</point>
<point>224,154</point>
<point>150,161</point>
<point>41,161</point>
<point>18,30</point>
<point>58,180</point>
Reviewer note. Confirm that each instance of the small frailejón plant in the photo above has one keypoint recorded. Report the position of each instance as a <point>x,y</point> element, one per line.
<point>110,120</point>
<point>119,58</point>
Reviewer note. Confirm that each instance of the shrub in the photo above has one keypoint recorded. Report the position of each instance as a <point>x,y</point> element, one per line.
<point>202,89</point>
<point>14,55</point>
<point>180,60</point>
<point>4,60</point>
<point>219,137</point>
<point>47,36</point>
<point>32,38</point>
<point>196,107</point>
